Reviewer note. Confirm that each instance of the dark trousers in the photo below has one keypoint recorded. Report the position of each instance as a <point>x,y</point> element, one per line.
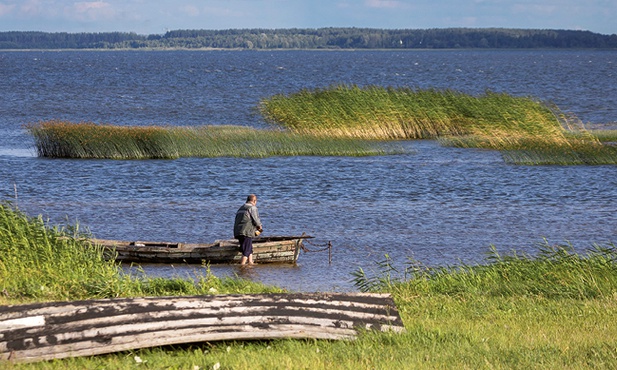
<point>246,245</point>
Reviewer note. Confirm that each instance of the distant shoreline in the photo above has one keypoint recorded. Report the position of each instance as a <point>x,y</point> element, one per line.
<point>317,50</point>
<point>314,39</point>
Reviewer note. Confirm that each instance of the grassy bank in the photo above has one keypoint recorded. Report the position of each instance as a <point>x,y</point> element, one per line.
<point>59,139</point>
<point>553,310</point>
<point>526,131</point>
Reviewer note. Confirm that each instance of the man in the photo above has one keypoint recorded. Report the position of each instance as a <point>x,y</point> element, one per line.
<point>246,226</point>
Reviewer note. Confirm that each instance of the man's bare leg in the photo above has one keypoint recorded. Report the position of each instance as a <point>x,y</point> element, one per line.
<point>244,259</point>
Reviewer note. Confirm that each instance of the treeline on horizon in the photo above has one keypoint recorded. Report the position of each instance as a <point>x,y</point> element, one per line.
<point>321,38</point>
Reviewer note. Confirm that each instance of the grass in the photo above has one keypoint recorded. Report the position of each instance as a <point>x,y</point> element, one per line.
<point>553,272</point>
<point>552,310</point>
<point>60,139</point>
<point>525,130</point>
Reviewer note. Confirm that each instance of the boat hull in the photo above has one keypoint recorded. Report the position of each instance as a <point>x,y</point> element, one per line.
<point>279,249</point>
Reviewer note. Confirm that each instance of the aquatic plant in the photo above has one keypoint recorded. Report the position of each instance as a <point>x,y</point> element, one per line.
<point>351,121</point>
<point>605,135</point>
<point>527,131</point>
<point>60,139</point>
<point>402,113</point>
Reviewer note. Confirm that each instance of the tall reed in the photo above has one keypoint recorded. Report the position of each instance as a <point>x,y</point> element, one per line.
<point>401,113</point>
<point>525,130</point>
<point>351,121</point>
<point>59,139</point>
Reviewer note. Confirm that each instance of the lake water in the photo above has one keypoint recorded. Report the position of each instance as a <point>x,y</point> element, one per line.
<point>440,206</point>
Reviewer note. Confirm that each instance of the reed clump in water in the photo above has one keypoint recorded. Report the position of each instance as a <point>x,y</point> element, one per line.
<point>401,113</point>
<point>60,139</point>
<point>525,130</point>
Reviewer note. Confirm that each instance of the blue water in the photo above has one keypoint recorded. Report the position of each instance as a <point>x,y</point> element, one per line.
<point>438,205</point>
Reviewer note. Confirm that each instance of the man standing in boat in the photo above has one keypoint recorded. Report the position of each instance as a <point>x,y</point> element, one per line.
<point>246,226</point>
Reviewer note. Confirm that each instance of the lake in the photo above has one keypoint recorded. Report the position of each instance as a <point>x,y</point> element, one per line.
<point>440,206</point>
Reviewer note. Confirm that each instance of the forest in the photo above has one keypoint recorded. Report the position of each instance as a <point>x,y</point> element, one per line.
<point>320,38</point>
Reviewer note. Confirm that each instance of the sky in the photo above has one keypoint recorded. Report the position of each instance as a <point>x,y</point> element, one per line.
<point>157,16</point>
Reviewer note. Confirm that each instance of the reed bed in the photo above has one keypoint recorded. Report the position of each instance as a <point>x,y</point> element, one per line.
<point>525,130</point>
<point>60,139</point>
<point>401,113</point>
<point>344,120</point>
<point>35,262</point>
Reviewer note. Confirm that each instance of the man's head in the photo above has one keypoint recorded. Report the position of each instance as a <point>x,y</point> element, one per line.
<point>252,199</point>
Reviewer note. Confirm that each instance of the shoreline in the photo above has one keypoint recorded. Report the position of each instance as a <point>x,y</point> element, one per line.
<point>313,49</point>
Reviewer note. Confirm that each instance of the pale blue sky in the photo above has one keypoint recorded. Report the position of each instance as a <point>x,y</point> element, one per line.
<point>157,16</point>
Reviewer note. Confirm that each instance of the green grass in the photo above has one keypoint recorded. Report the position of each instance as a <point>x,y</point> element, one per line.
<point>552,310</point>
<point>59,139</point>
<point>553,272</point>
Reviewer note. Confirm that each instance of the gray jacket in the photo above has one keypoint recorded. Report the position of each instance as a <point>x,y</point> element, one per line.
<point>247,221</point>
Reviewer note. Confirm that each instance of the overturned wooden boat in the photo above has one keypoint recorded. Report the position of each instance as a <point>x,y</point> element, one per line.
<point>53,330</point>
<point>266,249</point>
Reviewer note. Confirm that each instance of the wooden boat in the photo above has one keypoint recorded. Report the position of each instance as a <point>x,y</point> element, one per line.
<point>52,330</point>
<point>266,249</point>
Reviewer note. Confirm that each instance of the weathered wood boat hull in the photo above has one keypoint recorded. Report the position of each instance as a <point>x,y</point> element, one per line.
<point>44,331</point>
<point>276,249</point>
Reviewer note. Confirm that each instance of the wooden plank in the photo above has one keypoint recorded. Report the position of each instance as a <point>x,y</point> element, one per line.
<point>45,331</point>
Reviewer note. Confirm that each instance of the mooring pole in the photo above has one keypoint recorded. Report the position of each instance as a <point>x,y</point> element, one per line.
<point>329,252</point>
